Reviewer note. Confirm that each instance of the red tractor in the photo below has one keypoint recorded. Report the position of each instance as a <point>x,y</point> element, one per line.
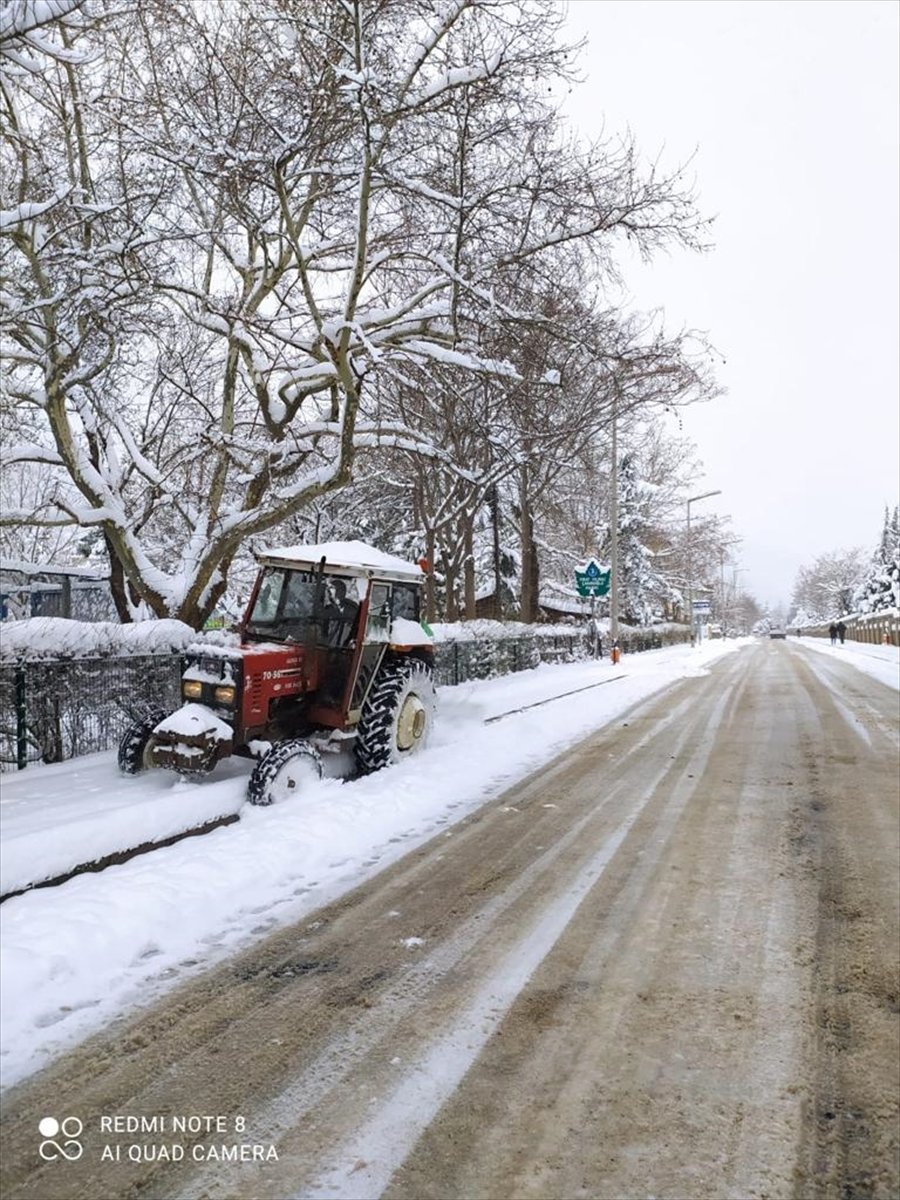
<point>332,659</point>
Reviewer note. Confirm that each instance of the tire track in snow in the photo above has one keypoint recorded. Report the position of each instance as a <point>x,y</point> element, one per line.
<point>414,1095</point>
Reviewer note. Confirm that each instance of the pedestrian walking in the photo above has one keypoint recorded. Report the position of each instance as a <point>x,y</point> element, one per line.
<point>841,630</point>
<point>832,633</point>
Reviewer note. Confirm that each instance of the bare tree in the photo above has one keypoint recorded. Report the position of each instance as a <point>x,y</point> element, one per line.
<point>226,224</point>
<point>825,588</point>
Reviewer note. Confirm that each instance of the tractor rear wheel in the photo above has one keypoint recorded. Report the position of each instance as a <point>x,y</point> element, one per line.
<point>136,738</point>
<point>397,716</point>
<point>283,771</point>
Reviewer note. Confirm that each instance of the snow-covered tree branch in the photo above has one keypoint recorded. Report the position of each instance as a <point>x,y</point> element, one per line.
<point>228,230</point>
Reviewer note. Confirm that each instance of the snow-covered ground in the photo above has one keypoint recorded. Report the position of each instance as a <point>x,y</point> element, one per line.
<point>75,956</point>
<point>881,662</point>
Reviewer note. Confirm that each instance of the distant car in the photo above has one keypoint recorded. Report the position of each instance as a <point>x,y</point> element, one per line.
<point>777,633</point>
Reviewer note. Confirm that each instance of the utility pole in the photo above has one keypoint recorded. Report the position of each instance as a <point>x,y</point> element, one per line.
<point>723,614</point>
<point>735,571</point>
<point>690,559</point>
<point>614,533</point>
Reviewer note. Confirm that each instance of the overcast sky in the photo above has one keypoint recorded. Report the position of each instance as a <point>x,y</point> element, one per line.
<point>792,109</point>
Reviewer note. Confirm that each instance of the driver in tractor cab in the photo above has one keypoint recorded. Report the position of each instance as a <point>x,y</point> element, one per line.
<point>339,614</point>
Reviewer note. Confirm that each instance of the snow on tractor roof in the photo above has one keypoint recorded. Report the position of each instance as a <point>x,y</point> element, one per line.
<point>356,558</point>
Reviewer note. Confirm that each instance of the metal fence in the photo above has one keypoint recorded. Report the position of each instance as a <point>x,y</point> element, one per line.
<point>457,661</point>
<point>52,710</point>
<point>62,708</point>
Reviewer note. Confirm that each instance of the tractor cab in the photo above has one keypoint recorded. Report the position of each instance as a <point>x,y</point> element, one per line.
<point>330,642</point>
<point>336,617</point>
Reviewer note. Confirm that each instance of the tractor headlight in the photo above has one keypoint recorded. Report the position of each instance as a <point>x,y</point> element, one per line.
<point>191,689</point>
<point>224,695</point>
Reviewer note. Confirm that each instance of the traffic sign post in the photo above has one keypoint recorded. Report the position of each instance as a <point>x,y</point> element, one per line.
<point>700,612</point>
<point>592,580</point>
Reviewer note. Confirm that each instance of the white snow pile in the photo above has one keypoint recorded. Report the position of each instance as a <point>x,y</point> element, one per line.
<point>58,637</point>
<point>409,633</point>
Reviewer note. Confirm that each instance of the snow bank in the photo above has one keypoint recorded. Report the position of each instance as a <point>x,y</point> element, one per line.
<point>57,637</point>
<point>880,662</point>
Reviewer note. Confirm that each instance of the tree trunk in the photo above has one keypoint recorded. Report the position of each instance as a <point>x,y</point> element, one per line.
<point>498,579</point>
<point>118,583</point>
<point>528,602</point>
<point>451,600</point>
<point>470,612</point>
<point>430,598</point>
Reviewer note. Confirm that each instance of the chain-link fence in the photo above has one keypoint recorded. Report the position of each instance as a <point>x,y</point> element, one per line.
<point>51,710</point>
<point>457,661</point>
<point>61,708</point>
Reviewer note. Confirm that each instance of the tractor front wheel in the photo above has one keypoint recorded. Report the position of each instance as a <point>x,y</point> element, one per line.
<point>284,771</point>
<point>397,716</point>
<point>136,738</point>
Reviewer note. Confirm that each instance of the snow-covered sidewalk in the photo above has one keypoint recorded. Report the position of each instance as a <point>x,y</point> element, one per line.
<point>76,955</point>
<point>881,662</point>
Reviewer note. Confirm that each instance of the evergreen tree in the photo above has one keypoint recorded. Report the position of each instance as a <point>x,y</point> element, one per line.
<point>642,589</point>
<point>880,588</point>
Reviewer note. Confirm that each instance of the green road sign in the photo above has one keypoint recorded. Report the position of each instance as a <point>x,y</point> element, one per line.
<point>592,581</point>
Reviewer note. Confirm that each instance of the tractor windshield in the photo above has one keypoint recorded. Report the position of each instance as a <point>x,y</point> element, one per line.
<point>285,605</point>
<point>285,608</point>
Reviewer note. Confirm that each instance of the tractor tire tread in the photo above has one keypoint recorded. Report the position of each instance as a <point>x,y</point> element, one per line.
<point>374,748</point>
<point>134,741</point>
<point>267,768</point>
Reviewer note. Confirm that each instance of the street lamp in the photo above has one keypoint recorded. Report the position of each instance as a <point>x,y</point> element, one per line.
<point>614,534</point>
<point>690,563</point>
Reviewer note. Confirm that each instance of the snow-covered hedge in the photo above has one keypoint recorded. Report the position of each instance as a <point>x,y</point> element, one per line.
<point>56,637</point>
<point>41,638</point>
<point>83,680</point>
<point>486,630</point>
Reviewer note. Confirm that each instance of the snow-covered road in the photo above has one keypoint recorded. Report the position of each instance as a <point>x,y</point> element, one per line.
<point>664,963</point>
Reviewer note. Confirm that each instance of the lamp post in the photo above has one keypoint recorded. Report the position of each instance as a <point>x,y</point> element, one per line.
<point>690,562</point>
<point>614,535</point>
